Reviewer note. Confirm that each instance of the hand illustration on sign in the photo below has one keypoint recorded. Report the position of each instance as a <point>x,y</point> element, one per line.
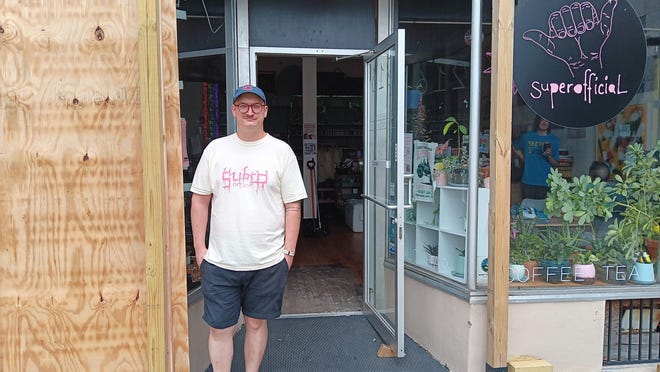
<point>576,34</point>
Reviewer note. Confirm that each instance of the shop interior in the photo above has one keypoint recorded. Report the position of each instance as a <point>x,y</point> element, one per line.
<point>327,274</point>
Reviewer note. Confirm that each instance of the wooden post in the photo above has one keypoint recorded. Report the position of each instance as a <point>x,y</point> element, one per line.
<point>154,184</point>
<point>500,184</point>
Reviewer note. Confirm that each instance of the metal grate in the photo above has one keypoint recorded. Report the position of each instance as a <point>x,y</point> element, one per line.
<point>631,332</point>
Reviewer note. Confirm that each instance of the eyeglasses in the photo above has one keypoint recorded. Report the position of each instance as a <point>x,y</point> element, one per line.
<point>244,107</point>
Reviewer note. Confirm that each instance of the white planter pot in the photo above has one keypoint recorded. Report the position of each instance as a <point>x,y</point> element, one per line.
<point>518,273</point>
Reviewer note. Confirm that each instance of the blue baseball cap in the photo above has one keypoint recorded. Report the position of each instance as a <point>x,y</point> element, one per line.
<point>249,89</point>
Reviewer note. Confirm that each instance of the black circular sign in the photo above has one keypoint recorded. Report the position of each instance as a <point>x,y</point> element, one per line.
<point>578,64</point>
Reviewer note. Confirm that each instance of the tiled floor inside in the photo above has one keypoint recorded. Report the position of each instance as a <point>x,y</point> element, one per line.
<point>321,289</point>
<point>326,276</point>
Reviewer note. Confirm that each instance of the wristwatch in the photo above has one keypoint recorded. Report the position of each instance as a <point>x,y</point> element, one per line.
<point>289,253</point>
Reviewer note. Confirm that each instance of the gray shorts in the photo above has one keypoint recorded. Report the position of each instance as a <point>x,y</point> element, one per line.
<point>257,293</point>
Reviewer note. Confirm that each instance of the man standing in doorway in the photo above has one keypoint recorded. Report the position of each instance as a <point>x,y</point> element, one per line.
<point>539,151</point>
<point>254,187</point>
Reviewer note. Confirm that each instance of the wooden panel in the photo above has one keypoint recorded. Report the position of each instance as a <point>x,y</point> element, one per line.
<point>176,245</point>
<point>500,184</point>
<point>73,292</point>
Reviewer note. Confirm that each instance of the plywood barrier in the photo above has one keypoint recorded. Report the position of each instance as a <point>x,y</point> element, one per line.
<point>74,260</point>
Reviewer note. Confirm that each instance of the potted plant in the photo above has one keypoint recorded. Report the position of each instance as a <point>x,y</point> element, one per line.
<point>459,267</point>
<point>559,245</point>
<point>524,247</point>
<point>432,253</point>
<point>639,196</point>
<point>439,167</point>
<point>584,268</point>
<point>459,172</point>
<point>615,261</point>
<point>582,201</point>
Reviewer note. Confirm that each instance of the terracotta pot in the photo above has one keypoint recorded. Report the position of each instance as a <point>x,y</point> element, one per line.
<point>652,248</point>
<point>529,267</point>
<point>440,178</point>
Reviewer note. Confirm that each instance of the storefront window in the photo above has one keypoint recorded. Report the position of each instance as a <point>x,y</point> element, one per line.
<point>438,105</point>
<point>438,110</point>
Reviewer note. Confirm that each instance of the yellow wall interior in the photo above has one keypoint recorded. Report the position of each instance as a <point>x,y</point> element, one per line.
<point>76,261</point>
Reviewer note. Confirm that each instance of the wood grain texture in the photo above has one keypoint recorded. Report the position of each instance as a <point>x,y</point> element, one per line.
<point>72,239</point>
<point>178,319</point>
<point>500,184</point>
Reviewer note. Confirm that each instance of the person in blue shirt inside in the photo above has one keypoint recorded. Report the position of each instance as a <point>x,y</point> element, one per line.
<point>539,150</point>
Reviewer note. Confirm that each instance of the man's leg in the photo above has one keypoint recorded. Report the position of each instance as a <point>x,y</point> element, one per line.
<point>221,348</point>
<point>256,337</point>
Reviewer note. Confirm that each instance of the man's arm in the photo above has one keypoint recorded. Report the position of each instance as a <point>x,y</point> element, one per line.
<point>292,217</point>
<point>518,153</point>
<point>199,219</point>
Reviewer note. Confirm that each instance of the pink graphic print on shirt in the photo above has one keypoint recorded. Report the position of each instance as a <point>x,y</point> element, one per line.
<point>244,178</point>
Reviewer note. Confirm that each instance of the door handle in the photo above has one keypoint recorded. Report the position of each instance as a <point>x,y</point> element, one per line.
<point>381,203</point>
<point>409,205</point>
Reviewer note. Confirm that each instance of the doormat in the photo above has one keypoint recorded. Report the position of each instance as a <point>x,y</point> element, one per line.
<point>321,289</point>
<point>331,343</point>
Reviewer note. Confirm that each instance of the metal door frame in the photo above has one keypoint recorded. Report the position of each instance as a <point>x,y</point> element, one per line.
<point>389,334</point>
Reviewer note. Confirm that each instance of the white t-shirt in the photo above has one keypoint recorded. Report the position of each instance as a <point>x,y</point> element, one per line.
<point>250,182</point>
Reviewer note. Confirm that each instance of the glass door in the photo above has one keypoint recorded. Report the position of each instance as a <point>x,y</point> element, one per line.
<point>384,189</point>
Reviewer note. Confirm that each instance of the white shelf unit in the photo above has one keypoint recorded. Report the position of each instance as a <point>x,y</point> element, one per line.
<point>448,229</point>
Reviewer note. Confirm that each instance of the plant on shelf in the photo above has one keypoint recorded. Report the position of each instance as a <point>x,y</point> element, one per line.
<point>559,245</point>
<point>452,126</point>
<point>580,200</point>
<point>583,201</point>
<point>458,171</point>
<point>432,252</point>
<point>431,249</point>
<point>459,266</point>
<point>584,265</point>
<point>586,256</point>
<point>639,196</point>
<point>439,171</point>
<point>525,242</point>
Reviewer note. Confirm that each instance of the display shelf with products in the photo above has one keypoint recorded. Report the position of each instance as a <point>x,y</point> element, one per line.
<point>349,186</point>
<point>440,227</point>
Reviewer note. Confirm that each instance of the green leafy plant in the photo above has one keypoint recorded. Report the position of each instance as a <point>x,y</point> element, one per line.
<point>639,195</point>
<point>452,163</point>
<point>525,243</point>
<point>560,243</point>
<point>431,249</point>
<point>580,200</point>
<point>454,127</point>
<point>586,256</point>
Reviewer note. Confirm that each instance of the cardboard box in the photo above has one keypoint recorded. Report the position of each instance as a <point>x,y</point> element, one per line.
<point>525,363</point>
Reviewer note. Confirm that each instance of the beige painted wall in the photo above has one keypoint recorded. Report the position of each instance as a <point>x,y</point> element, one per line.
<point>569,335</point>
<point>448,327</point>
